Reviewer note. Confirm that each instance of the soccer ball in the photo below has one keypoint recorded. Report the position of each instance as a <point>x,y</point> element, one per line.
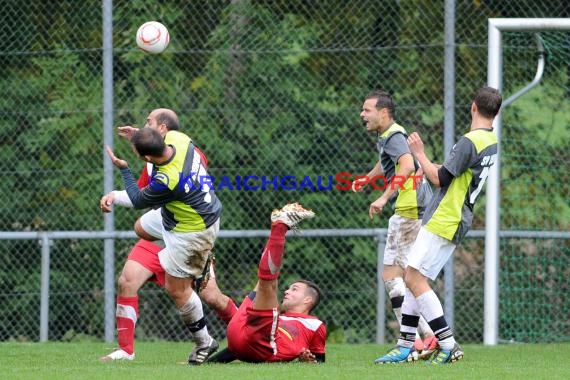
<point>152,37</point>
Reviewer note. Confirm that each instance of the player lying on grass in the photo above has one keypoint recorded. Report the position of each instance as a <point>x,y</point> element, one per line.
<point>257,331</point>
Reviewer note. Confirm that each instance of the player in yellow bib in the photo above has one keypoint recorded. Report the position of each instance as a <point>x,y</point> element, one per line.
<point>395,174</point>
<point>190,213</point>
<point>143,264</point>
<point>446,220</point>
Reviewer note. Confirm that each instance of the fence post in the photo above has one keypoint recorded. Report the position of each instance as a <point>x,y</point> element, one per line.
<point>44,290</point>
<point>381,298</point>
<point>108,110</point>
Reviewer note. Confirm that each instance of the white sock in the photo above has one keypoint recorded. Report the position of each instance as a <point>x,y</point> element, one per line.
<point>409,308</point>
<point>192,314</point>
<point>431,309</point>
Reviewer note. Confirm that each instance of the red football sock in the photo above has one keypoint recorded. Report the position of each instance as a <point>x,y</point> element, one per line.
<point>127,314</point>
<point>227,314</point>
<point>272,256</point>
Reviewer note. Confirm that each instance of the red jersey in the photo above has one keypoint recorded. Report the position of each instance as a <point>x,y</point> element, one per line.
<point>267,336</point>
<point>298,331</point>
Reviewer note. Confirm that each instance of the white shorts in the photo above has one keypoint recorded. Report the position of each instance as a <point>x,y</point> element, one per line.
<point>401,236</point>
<point>429,253</point>
<point>151,222</point>
<point>186,253</point>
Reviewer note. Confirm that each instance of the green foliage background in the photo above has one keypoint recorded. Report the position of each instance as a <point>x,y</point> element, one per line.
<point>271,88</point>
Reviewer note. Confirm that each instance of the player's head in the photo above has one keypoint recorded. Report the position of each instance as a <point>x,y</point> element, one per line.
<point>378,111</point>
<point>383,100</point>
<point>162,120</point>
<point>487,101</point>
<point>302,296</point>
<point>148,142</point>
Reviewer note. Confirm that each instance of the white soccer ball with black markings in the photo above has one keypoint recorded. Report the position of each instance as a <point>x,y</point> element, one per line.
<point>153,37</point>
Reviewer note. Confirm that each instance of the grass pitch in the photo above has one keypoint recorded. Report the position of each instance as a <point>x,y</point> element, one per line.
<point>165,360</point>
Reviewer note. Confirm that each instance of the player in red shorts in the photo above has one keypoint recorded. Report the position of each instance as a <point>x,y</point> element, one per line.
<point>142,266</point>
<point>258,331</point>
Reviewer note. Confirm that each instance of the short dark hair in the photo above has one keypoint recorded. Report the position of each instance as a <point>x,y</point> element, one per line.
<point>148,142</point>
<point>167,118</point>
<point>383,100</point>
<point>488,101</point>
<point>313,290</point>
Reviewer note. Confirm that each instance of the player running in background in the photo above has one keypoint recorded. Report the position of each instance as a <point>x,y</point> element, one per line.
<point>258,331</point>
<point>397,165</point>
<point>446,220</point>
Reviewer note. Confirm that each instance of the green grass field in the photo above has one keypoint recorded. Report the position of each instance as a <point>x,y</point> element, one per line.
<point>163,360</point>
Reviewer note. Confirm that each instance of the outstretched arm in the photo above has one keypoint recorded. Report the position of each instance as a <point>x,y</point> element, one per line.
<point>120,197</point>
<point>126,132</point>
<point>120,163</point>
<point>156,194</point>
<point>115,197</point>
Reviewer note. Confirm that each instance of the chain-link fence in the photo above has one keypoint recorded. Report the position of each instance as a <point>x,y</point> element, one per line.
<point>274,88</point>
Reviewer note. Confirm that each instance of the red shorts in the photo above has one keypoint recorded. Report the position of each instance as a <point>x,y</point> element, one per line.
<point>252,332</point>
<point>146,254</point>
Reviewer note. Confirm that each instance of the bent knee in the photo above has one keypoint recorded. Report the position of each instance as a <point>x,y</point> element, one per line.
<point>414,280</point>
<point>127,286</point>
<point>391,272</point>
<point>179,295</point>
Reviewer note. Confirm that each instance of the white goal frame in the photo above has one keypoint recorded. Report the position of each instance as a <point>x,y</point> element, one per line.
<point>492,222</point>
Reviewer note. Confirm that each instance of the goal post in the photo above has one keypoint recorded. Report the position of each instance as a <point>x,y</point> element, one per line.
<point>492,223</point>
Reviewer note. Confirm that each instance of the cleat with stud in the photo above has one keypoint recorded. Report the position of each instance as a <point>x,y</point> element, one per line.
<point>442,356</point>
<point>291,214</point>
<point>200,354</point>
<point>398,354</point>
<point>118,355</point>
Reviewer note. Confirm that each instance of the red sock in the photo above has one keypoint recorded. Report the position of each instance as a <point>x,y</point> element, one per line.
<point>227,314</point>
<point>126,315</point>
<point>272,256</point>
